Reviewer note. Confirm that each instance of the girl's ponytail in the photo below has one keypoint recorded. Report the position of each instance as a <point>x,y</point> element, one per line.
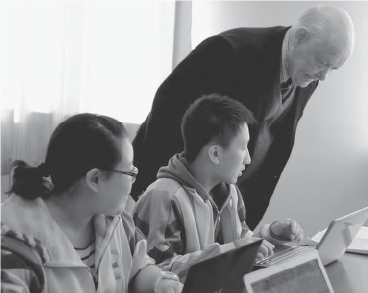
<point>30,182</point>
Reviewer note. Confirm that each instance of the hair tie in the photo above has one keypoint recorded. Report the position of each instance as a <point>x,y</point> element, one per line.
<point>43,170</point>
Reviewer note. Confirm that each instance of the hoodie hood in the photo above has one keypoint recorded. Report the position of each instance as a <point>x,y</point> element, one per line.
<point>30,222</point>
<point>7,233</point>
<point>178,170</point>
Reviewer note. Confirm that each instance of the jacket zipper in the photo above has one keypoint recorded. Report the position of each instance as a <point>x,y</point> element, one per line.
<point>97,265</point>
<point>218,219</point>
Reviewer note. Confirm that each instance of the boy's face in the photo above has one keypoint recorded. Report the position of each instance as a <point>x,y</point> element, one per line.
<point>234,157</point>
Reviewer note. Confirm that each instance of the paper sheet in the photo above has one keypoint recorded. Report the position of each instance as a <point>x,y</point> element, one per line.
<point>360,242</point>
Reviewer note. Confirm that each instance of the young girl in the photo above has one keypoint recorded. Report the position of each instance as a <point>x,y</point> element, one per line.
<point>64,229</point>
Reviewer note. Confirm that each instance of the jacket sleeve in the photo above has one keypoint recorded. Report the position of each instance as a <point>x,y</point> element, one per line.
<point>159,217</point>
<point>137,245</point>
<point>19,274</point>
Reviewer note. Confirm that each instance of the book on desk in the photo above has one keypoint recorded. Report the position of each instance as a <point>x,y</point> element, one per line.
<point>359,243</point>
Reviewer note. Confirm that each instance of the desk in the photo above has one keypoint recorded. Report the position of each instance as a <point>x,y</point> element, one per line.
<point>349,274</point>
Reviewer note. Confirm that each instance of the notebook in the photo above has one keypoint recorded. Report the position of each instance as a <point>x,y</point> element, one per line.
<point>222,272</point>
<point>339,235</point>
<point>303,274</point>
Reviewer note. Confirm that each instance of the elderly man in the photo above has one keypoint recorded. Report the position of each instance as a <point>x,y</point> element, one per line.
<point>272,71</point>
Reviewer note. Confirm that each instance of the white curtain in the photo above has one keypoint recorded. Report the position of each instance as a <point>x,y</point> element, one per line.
<point>182,31</point>
<point>59,58</point>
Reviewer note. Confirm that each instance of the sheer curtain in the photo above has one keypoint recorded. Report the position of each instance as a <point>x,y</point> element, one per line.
<point>65,57</point>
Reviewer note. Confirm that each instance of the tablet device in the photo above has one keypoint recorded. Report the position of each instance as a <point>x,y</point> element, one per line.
<point>303,274</point>
<point>224,271</point>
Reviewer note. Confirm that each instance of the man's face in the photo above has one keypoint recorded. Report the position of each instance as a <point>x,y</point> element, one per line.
<point>234,157</point>
<point>310,60</point>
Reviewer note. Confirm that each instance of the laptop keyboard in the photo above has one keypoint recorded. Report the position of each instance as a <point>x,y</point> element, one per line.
<point>284,255</point>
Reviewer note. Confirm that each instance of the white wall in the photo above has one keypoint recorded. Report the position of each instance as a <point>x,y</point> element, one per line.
<point>5,186</point>
<point>327,174</point>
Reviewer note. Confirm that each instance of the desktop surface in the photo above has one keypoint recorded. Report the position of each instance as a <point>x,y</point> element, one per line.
<point>349,274</point>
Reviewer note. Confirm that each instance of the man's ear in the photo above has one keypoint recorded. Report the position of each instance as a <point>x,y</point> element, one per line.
<point>213,153</point>
<point>92,179</point>
<point>301,35</point>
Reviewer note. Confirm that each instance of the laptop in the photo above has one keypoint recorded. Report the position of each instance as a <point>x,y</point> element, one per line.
<point>222,272</point>
<point>339,234</point>
<point>303,274</point>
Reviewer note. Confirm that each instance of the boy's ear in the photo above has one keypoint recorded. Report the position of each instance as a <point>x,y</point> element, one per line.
<point>92,179</point>
<point>213,153</point>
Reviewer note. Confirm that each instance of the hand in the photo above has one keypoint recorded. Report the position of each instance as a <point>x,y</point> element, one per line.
<point>287,229</point>
<point>169,286</point>
<point>265,250</point>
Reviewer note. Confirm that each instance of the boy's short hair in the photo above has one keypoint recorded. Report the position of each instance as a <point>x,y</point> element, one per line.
<point>212,116</point>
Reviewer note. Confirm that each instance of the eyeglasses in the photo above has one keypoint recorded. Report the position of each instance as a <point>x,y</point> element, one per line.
<point>133,173</point>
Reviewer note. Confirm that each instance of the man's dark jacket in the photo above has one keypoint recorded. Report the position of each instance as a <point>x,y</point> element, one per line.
<point>243,64</point>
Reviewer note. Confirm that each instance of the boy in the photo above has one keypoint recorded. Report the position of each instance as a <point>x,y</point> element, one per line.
<point>194,210</point>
